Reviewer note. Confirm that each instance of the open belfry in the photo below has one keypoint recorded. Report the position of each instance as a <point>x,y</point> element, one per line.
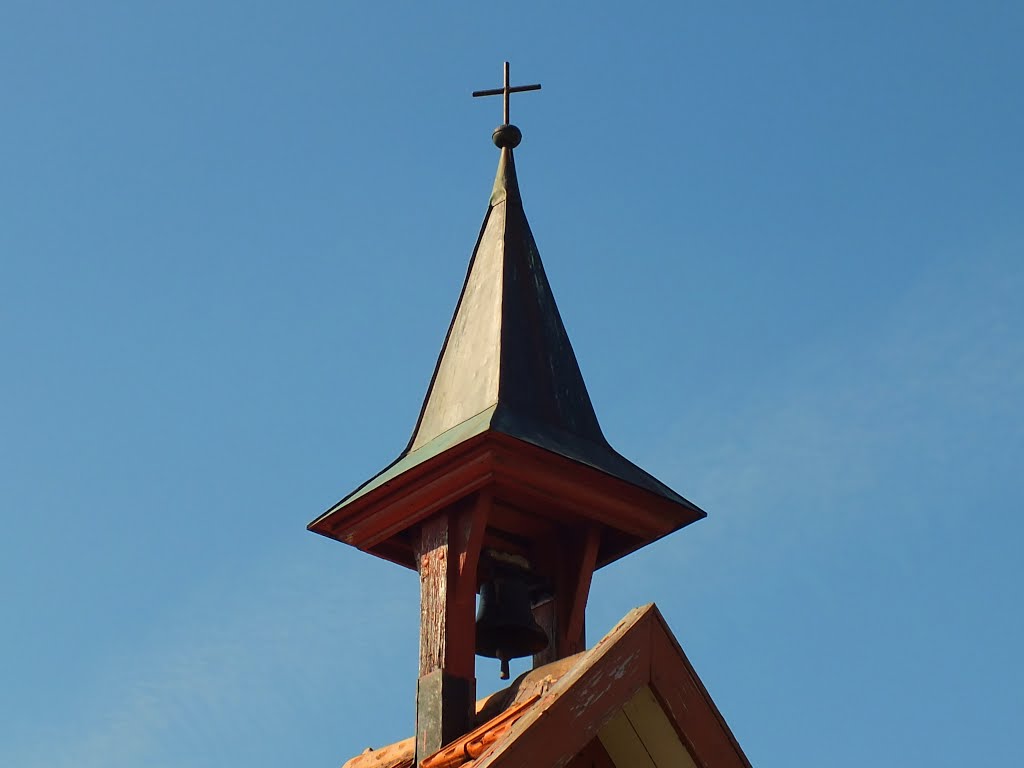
<point>509,490</point>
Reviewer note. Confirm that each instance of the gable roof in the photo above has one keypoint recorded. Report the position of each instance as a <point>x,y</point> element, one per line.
<point>632,700</point>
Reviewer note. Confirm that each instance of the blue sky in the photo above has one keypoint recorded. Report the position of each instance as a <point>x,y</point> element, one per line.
<point>786,240</point>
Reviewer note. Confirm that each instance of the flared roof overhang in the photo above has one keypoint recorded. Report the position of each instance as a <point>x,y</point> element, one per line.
<point>537,493</point>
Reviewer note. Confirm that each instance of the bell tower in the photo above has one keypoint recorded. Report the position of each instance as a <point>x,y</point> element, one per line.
<point>507,487</point>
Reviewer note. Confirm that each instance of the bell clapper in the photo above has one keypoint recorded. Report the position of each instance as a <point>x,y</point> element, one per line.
<point>504,666</point>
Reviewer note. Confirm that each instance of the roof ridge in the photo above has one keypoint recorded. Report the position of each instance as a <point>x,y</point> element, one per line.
<point>476,742</point>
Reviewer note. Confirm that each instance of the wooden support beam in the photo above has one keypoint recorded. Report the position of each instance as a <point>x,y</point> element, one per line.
<point>471,526</point>
<point>448,554</point>
<point>578,581</point>
<point>570,560</point>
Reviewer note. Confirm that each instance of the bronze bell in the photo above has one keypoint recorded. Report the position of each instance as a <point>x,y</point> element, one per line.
<point>505,627</point>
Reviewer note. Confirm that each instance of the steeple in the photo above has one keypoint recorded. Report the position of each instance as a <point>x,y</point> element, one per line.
<point>507,480</point>
<point>507,365</point>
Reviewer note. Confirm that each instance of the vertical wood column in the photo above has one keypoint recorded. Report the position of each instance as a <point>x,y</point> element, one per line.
<point>449,552</point>
<point>563,618</point>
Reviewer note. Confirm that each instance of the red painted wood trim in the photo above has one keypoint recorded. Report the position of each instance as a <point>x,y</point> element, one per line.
<point>692,711</point>
<point>565,720</point>
<point>516,470</point>
<point>573,637</point>
<point>405,507</point>
<point>472,524</point>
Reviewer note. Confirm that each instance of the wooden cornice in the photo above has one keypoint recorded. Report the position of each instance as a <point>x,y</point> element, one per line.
<point>527,478</point>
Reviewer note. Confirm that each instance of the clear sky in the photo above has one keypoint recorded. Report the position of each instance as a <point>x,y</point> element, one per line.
<point>786,240</point>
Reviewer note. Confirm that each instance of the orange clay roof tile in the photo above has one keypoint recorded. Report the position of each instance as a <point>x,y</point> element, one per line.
<point>397,755</point>
<point>474,743</point>
<point>519,696</point>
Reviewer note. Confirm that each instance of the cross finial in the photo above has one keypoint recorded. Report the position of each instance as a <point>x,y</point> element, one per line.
<point>506,90</point>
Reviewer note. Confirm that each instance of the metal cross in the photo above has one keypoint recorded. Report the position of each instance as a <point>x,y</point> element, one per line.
<point>506,90</point>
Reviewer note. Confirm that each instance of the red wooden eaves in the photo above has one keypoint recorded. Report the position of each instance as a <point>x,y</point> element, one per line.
<point>520,474</point>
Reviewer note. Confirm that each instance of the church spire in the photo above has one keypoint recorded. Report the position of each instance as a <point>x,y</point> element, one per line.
<point>506,364</point>
<point>507,358</point>
<point>507,486</point>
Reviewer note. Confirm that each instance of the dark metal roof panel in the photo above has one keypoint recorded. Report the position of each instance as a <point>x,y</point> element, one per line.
<point>507,363</point>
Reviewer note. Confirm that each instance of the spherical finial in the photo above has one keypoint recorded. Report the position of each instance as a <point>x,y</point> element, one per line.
<point>506,136</point>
